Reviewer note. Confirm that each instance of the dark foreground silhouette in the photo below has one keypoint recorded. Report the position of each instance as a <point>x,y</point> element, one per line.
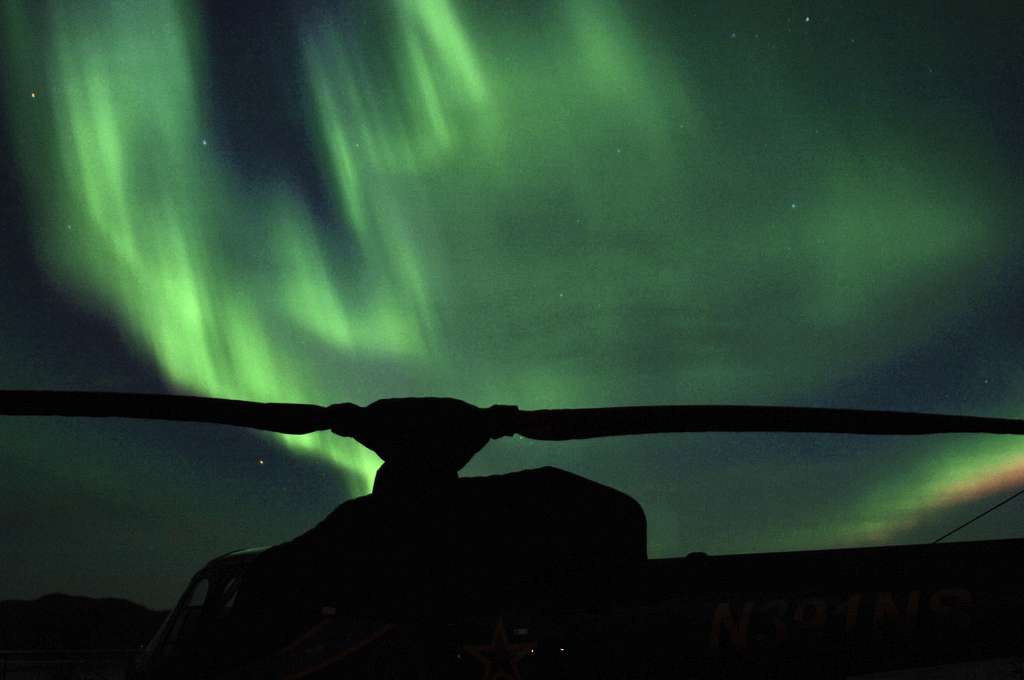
<point>544,574</point>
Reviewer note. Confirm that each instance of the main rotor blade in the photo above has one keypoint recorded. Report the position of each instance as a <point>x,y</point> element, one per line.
<point>562,424</point>
<point>552,425</point>
<point>284,418</point>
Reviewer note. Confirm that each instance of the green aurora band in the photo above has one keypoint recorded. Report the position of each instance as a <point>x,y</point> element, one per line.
<point>551,210</point>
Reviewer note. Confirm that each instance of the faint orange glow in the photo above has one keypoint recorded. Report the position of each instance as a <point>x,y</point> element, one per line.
<point>1003,478</point>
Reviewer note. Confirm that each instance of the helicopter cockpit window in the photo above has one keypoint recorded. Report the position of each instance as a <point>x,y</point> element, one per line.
<point>187,622</point>
<point>227,598</point>
<point>198,595</point>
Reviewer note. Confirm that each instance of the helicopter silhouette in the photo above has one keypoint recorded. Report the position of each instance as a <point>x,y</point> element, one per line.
<point>544,574</point>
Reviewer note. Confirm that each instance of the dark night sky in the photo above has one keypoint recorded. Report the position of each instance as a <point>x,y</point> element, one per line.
<point>584,203</point>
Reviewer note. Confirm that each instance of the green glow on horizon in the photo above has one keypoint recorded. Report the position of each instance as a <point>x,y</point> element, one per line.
<point>544,212</point>
<point>943,476</point>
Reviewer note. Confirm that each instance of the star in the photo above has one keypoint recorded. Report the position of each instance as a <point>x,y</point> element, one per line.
<point>500,658</point>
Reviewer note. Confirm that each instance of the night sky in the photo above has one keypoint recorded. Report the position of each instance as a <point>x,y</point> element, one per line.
<point>585,203</point>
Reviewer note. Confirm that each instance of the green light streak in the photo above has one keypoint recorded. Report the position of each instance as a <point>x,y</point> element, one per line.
<point>611,235</point>
<point>143,222</point>
<point>558,194</point>
<point>549,211</point>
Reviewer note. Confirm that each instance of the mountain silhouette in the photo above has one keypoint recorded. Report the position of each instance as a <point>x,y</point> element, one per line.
<point>59,621</point>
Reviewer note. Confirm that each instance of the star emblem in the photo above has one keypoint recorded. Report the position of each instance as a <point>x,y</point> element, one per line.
<point>500,658</point>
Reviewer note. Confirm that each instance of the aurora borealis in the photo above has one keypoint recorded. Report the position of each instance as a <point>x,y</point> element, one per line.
<point>578,203</point>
